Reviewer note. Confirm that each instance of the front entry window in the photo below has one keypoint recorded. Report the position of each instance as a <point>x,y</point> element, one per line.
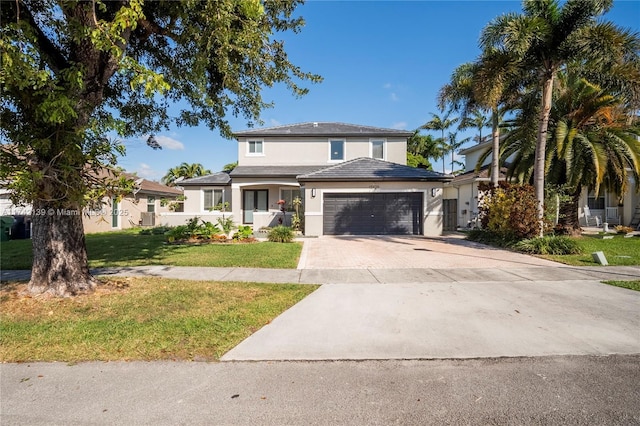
<point>254,201</point>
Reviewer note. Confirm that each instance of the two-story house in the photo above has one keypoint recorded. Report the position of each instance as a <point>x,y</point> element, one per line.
<point>351,179</point>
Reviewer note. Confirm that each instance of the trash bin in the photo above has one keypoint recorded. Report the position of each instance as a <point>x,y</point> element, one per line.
<point>6,222</point>
<point>21,228</point>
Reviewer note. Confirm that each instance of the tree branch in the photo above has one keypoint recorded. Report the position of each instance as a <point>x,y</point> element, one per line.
<point>54,58</point>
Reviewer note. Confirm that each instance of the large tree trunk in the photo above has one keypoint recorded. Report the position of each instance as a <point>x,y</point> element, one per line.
<point>495,150</point>
<point>541,147</point>
<point>60,265</point>
<point>569,222</point>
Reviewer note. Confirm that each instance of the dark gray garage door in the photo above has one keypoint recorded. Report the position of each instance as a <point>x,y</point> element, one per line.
<point>385,213</point>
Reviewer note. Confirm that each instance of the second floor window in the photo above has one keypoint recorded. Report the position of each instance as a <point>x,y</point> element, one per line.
<point>255,147</point>
<point>336,150</point>
<point>377,149</point>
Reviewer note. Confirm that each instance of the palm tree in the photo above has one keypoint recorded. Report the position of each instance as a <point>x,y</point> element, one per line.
<point>476,120</point>
<point>420,148</point>
<point>485,84</point>
<point>172,175</point>
<point>441,123</point>
<point>184,171</point>
<point>454,144</point>
<point>547,37</point>
<point>591,144</point>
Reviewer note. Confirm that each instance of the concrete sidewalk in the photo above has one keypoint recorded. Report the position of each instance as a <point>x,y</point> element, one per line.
<point>365,276</point>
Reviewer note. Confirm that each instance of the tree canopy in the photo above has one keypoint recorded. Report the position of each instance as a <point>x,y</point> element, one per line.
<point>184,171</point>
<point>74,72</point>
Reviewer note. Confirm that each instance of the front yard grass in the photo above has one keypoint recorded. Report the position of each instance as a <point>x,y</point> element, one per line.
<point>128,248</point>
<point>139,319</point>
<point>631,285</point>
<point>619,251</point>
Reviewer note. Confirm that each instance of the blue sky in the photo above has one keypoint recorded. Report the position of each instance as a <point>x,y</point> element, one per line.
<point>383,63</point>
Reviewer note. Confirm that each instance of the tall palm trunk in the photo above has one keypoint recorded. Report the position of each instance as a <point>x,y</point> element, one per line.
<point>495,150</point>
<point>541,146</point>
<point>568,222</point>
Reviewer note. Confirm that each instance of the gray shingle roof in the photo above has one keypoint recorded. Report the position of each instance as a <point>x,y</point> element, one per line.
<point>324,129</point>
<point>219,178</point>
<point>369,169</point>
<point>273,171</point>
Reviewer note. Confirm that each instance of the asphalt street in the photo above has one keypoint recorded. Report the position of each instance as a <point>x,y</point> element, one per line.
<point>565,390</point>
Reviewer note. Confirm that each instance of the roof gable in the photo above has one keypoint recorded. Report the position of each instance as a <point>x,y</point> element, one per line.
<point>324,129</point>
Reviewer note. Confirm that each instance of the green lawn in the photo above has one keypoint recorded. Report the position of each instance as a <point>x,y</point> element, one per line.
<point>619,251</point>
<point>139,319</point>
<point>631,285</point>
<point>128,248</point>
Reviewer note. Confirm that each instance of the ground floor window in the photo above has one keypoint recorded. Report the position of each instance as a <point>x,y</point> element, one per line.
<point>288,195</point>
<point>595,203</point>
<point>214,200</point>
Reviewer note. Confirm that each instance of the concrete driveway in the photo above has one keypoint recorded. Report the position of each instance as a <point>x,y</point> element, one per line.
<point>451,320</point>
<point>556,310</point>
<point>391,252</point>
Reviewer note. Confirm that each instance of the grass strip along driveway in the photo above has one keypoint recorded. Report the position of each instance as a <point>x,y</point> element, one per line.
<point>619,251</point>
<point>139,319</point>
<point>128,248</point>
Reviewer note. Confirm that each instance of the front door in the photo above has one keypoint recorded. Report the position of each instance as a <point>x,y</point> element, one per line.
<point>450,209</point>
<point>254,201</point>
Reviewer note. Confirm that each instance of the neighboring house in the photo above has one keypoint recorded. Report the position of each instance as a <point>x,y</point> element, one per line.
<point>461,195</point>
<point>140,208</point>
<point>351,179</point>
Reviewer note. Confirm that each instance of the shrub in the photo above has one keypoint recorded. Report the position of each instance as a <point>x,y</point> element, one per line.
<point>621,229</point>
<point>158,230</point>
<point>280,234</point>
<point>244,232</point>
<point>548,245</point>
<point>180,232</point>
<point>194,229</point>
<point>484,236</point>
<point>509,210</point>
<point>226,223</point>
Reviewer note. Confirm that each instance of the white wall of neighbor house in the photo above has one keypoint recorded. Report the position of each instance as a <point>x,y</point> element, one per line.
<point>315,150</point>
<point>607,205</point>
<point>468,196</point>
<point>126,214</point>
<point>432,201</point>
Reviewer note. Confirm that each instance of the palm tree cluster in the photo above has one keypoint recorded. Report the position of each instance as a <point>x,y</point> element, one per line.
<point>448,143</point>
<point>184,171</point>
<point>571,83</point>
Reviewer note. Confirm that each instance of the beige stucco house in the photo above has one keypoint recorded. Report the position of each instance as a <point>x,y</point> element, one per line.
<point>142,207</point>
<point>461,196</point>
<point>351,179</point>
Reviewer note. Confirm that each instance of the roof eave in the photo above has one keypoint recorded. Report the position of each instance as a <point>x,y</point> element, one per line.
<point>375,179</point>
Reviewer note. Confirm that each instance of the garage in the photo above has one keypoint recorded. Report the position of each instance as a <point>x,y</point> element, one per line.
<point>383,213</point>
